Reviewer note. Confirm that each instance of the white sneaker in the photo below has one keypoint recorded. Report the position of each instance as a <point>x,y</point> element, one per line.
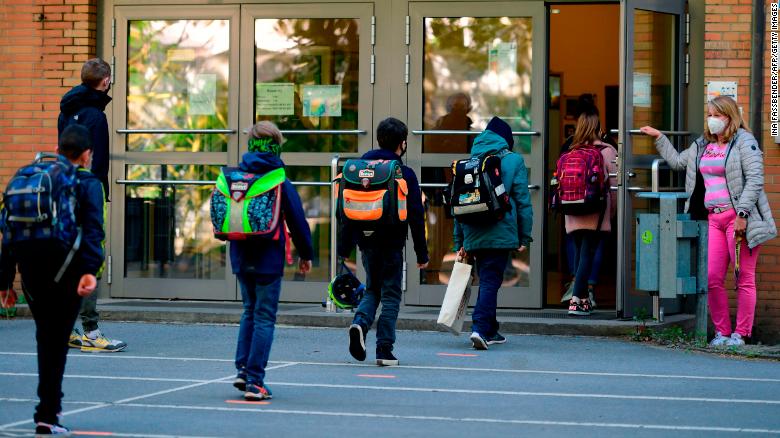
<point>719,340</point>
<point>735,340</point>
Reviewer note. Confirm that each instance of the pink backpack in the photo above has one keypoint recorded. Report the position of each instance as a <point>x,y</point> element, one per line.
<point>578,186</point>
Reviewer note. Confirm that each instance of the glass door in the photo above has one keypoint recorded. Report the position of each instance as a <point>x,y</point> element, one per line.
<point>308,68</point>
<point>652,93</point>
<point>175,119</point>
<point>467,63</point>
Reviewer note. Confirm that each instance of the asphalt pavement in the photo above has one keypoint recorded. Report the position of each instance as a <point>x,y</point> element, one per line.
<point>175,380</point>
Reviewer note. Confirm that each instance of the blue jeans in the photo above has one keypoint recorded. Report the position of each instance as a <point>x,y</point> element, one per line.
<point>384,271</point>
<point>598,256</point>
<point>491,264</point>
<point>585,242</point>
<point>260,294</point>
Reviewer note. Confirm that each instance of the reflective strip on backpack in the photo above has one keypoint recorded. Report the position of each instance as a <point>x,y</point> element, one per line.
<point>364,206</point>
<point>403,190</point>
<point>466,209</point>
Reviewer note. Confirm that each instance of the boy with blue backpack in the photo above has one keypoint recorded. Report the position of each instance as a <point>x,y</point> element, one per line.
<point>379,200</point>
<point>52,224</point>
<point>249,207</point>
<point>489,226</point>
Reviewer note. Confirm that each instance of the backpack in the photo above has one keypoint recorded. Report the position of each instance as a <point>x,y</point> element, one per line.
<point>372,195</point>
<point>40,203</point>
<point>579,185</point>
<point>246,205</point>
<point>477,194</point>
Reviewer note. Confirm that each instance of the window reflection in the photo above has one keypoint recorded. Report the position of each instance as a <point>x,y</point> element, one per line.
<point>475,68</point>
<point>306,78</point>
<point>168,231</point>
<point>178,74</point>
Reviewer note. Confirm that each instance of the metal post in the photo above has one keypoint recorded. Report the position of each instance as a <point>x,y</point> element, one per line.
<point>334,171</point>
<point>701,284</point>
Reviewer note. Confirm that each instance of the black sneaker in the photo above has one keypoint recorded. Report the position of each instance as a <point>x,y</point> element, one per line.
<point>357,342</point>
<point>240,381</point>
<point>478,342</point>
<point>384,356</point>
<point>498,338</point>
<point>580,308</point>
<point>46,429</point>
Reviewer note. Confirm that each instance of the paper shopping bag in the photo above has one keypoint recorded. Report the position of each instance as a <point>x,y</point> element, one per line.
<point>456,299</point>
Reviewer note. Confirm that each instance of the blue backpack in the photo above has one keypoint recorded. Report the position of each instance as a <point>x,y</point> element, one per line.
<point>40,203</point>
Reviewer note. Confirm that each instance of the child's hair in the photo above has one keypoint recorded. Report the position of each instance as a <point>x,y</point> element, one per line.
<point>264,136</point>
<point>74,140</point>
<point>94,71</point>
<point>588,129</point>
<point>390,133</point>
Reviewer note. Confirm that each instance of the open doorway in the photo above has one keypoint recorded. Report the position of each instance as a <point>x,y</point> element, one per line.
<point>584,58</point>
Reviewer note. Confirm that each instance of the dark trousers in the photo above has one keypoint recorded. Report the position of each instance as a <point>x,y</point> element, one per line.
<point>55,307</point>
<point>89,314</point>
<point>585,245</point>
<point>384,271</point>
<point>491,264</point>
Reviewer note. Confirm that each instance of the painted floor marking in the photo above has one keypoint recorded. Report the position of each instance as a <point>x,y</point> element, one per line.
<point>35,400</point>
<point>576,424</point>
<point>83,376</point>
<point>247,402</point>
<point>457,354</point>
<point>377,376</point>
<point>28,432</point>
<point>434,368</point>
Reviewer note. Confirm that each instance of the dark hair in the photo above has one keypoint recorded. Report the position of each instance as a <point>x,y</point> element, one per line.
<point>390,133</point>
<point>94,71</point>
<point>586,104</point>
<point>74,140</point>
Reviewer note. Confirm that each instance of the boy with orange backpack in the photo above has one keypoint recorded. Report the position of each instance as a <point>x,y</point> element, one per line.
<point>379,200</point>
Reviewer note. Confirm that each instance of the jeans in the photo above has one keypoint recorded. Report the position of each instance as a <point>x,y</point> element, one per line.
<point>55,307</point>
<point>491,264</point>
<point>585,242</point>
<point>260,294</point>
<point>598,256</point>
<point>89,314</point>
<point>720,252</point>
<point>384,271</point>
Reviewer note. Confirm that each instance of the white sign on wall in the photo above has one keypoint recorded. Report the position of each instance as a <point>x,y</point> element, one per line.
<point>721,88</point>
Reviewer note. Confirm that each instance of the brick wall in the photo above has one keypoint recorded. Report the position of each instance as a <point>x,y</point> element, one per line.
<point>43,44</point>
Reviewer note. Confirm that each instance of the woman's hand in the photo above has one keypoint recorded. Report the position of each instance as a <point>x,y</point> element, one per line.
<point>740,224</point>
<point>649,130</point>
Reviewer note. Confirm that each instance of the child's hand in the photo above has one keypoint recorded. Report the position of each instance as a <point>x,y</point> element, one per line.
<point>87,285</point>
<point>304,266</point>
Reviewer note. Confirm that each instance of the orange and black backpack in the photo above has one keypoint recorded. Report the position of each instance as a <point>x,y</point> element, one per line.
<point>372,195</point>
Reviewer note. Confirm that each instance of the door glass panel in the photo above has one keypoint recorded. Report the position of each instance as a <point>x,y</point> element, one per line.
<point>439,227</point>
<point>653,75</point>
<point>474,69</point>
<point>306,78</point>
<point>177,79</point>
<point>168,231</point>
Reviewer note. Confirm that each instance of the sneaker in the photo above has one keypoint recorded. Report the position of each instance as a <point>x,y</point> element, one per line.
<point>74,341</point>
<point>45,429</point>
<point>591,294</point>
<point>719,340</point>
<point>357,342</point>
<point>478,342</point>
<point>240,381</point>
<point>735,340</point>
<point>384,356</point>
<point>100,343</point>
<point>498,338</point>
<point>569,291</point>
<point>579,307</point>
<point>255,392</point>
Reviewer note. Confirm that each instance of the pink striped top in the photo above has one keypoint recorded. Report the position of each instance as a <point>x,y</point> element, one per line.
<point>713,170</point>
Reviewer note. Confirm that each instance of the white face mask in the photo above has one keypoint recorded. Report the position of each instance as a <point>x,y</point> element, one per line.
<point>716,125</point>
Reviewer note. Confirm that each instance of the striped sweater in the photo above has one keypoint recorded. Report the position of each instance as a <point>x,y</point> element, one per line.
<point>744,179</point>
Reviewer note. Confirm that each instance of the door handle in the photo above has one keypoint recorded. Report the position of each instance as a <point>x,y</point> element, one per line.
<point>534,187</point>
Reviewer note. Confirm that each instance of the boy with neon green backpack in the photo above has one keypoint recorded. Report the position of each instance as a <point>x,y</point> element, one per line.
<point>249,207</point>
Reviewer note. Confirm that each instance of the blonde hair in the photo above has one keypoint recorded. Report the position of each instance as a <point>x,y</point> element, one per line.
<point>728,107</point>
<point>588,129</point>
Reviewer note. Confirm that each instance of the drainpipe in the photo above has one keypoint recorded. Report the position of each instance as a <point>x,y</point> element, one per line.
<point>757,68</point>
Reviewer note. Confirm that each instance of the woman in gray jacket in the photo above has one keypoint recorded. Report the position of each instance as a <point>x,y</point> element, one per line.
<point>725,183</point>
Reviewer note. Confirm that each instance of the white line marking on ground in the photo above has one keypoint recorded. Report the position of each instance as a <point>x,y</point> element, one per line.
<point>28,432</point>
<point>576,424</point>
<point>529,393</point>
<point>434,368</point>
<point>84,376</point>
<point>35,400</point>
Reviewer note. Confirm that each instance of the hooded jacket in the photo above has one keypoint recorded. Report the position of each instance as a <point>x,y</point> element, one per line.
<point>744,180</point>
<point>42,257</point>
<point>266,257</point>
<point>85,105</point>
<point>514,230</point>
<point>392,239</point>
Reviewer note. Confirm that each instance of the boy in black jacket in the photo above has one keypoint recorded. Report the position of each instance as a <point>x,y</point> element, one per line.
<point>55,305</point>
<point>383,254</point>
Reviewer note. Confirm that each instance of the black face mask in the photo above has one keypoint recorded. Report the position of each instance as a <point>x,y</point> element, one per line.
<point>108,88</point>
<point>403,150</point>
